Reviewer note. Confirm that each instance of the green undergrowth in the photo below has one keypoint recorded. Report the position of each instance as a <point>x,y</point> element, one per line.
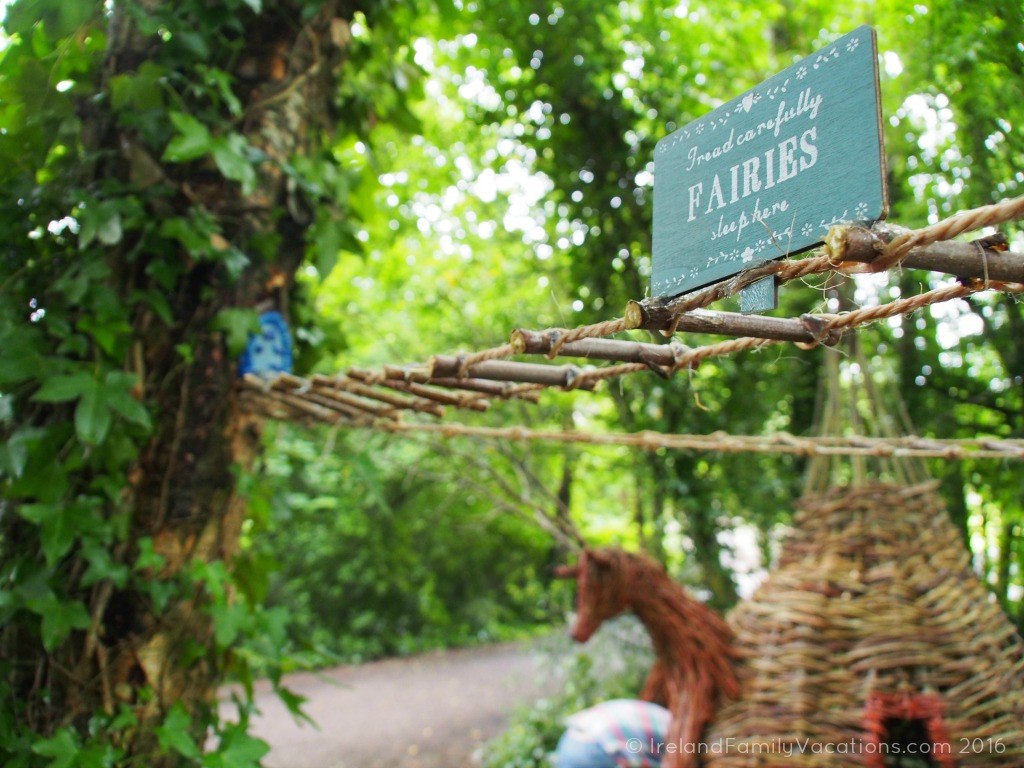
<point>613,665</point>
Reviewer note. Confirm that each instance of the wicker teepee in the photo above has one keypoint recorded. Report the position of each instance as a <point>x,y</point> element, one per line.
<point>872,627</point>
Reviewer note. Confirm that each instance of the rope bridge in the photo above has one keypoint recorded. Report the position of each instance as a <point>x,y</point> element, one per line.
<point>379,398</point>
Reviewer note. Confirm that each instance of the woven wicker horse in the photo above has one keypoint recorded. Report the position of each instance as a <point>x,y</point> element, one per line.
<point>694,672</point>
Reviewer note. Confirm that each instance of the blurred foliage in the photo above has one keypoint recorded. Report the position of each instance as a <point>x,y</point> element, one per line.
<point>377,557</point>
<point>612,666</point>
<point>526,199</point>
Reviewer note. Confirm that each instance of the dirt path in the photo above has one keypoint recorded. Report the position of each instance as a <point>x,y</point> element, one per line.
<point>425,712</point>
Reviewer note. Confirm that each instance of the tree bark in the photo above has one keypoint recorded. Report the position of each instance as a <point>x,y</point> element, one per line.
<point>183,492</point>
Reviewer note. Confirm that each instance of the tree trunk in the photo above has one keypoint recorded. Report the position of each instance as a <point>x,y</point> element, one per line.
<point>185,492</point>
<point>147,652</point>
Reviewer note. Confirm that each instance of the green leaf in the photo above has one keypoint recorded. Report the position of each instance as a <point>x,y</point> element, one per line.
<point>105,331</point>
<point>235,261</point>
<point>63,388</point>
<point>140,91</point>
<point>228,622</point>
<point>173,734</point>
<point>292,701</point>
<point>119,398</point>
<point>237,324</point>
<point>102,567</point>
<point>17,450</point>
<point>231,155</point>
<point>99,756</point>
<point>57,527</point>
<point>131,409</point>
<point>148,559</point>
<point>92,417</point>
<point>62,748</point>
<point>20,359</point>
<point>59,19</point>
<point>186,352</point>
<point>219,81</point>
<point>156,302</point>
<point>110,231</point>
<point>100,220</point>
<point>194,235</point>
<point>58,623</point>
<point>192,142</point>
<point>237,750</point>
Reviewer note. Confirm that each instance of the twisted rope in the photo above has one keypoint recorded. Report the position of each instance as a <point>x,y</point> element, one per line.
<point>597,330</point>
<point>494,353</point>
<point>947,229</point>
<point>722,442</point>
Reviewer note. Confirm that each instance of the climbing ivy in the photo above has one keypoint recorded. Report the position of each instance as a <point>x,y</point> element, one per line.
<point>164,170</point>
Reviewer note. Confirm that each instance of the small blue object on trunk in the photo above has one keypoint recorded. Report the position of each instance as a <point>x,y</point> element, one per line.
<point>269,352</point>
<point>766,174</point>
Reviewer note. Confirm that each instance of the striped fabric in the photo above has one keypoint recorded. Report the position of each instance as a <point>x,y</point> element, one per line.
<point>629,732</point>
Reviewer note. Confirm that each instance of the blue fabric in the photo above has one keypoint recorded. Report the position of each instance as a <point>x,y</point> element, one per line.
<point>621,733</point>
<point>271,351</point>
<point>574,752</point>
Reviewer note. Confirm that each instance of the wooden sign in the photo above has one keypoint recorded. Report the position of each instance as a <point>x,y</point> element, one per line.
<point>768,173</point>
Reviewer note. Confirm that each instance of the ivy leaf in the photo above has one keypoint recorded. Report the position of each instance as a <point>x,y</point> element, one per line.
<point>140,91</point>
<point>192,142</point>
<point>219,81</point>
<point>58,623</point>
<point>156,302</point>
<point>119,398</point>
<point>237,750</point>
<point>63,388</point>
<point>131,409</point>
<point>58,618</point>
<point>228,622</point>
<point>292,701</point>
<point>99,221</point>
<point>110,230</point>
<point>105,331</point>
<point>173,734</point>
<point>62,748</point>
<point>237,324</point>
<point>102,567</point>
<point>57,530</point>
<point>231,155</point>
<point>92,417</point>
<point>20,359</point>
<point>149,559</point>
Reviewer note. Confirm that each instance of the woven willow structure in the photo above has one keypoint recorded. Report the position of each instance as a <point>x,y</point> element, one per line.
<point>872,616</point>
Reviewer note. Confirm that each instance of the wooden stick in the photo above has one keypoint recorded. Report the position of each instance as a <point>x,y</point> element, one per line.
<point>543,342</point>
<point>988,258</point>
<point>653,316</point>
<point>325,391</point>
<point>490,388</point>
<point>444,366</point>
<point>403,402</point>
<point>419,373</point>
<point>475,403</point>
<point>296,388</point>
<point>302,405</point>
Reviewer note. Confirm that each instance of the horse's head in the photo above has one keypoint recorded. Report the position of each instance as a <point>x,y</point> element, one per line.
<point>601,578</point>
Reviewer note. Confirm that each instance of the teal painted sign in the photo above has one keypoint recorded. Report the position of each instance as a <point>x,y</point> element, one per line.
<point>767,174</point>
